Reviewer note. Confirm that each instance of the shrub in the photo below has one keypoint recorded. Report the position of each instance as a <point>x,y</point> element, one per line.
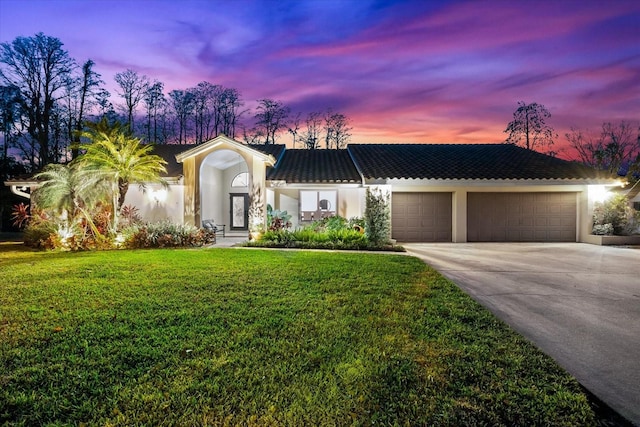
<point>165,234</point>
<point>328,233</point>
<point>20,215</point>
<point>614,217</point>
<point>377,215</point>
<point>129,216</point>
<point>277,220</point>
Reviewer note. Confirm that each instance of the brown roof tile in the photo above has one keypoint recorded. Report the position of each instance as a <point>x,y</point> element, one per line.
<point>315,166</point>
<point>168,153</point>
<point>463,161</point>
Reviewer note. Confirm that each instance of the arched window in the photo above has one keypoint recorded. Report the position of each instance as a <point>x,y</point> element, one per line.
<point>240,180</point>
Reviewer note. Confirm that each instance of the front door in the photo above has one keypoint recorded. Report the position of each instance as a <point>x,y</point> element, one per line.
<point>239,204</point>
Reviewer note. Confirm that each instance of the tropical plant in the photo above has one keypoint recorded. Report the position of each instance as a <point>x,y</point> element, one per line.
<point>166,234</point>
<point>277,219</point>
<point>20,215</point>
<point>70,194</point>
<point>115,157</point>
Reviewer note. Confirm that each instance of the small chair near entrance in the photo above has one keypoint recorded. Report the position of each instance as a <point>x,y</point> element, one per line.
<point>209,224</point>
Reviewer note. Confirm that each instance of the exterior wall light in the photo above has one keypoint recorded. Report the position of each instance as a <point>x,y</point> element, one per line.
<point>158,196</point>
<point>598,193</point>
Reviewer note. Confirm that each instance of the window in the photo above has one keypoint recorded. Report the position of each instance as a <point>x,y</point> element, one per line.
<point>316,205</point>
<point>240,180</point>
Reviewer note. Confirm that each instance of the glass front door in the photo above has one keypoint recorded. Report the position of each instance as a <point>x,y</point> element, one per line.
<point>239,211</point>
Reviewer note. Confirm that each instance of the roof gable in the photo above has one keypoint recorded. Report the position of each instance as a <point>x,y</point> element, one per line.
<point>224,141</point>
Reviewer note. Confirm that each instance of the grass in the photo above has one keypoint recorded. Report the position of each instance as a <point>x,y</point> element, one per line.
<point>261,337</point>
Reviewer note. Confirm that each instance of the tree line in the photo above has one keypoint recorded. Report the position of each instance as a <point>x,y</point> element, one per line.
<point>47,97</point>
<point>615,148</point>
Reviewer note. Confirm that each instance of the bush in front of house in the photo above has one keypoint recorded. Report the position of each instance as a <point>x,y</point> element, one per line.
<point>329,233</point>
<point>377,214</point>
<point>44,231</point>
<point>166,234</point>
<point>614,216</point>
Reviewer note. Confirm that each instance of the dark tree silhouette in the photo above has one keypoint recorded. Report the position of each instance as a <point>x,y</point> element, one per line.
<point>40,68</point>
<point>529,128</point>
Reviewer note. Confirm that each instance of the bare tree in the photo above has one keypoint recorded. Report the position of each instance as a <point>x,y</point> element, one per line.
<point>105,107</point>
<point>153,102</point>
<point>614,149</point>
<point>271,117</point>
<point>311,135</point>
<point>182,103</point>
<point>39,67</point>
<point>90,82</point>
<point>205,110</point>
<point>9,118</point>
<point>337,130</point>
<point>294,127</point>
<point>133,87</point>
<point>228,111</point>
<point>529,128</point>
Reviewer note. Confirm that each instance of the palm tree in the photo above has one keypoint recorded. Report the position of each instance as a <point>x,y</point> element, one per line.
<point>115,157</point>
<point>68,193</point>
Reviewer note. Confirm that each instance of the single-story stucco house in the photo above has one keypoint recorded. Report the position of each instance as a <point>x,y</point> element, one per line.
<point>439,192</point>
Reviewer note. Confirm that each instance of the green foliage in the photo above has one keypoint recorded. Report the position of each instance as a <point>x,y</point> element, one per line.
<point>166,234</point>
<point>229,337</point>
<point>377,215</point>
<point>614,217</point>
<point>41,233</point>
<point>116,159</point>
<point>329,233</point>
<point>277,219</point>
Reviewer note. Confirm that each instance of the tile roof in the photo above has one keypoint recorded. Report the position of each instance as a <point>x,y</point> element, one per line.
<point>275,150</point>
<point>463,161</point>
<point>168,153</point>
<point>315,166</point>
<point>410,161</point>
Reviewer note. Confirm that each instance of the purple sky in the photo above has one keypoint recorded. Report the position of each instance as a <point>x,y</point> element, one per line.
<point>403,71</point>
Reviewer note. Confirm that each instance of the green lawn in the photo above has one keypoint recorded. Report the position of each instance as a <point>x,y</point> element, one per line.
<point>261,337</point>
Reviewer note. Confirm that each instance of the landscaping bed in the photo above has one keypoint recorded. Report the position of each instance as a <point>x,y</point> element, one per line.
<point>252,337</point>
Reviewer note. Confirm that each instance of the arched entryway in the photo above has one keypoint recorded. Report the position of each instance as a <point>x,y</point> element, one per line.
<point>224,189</point>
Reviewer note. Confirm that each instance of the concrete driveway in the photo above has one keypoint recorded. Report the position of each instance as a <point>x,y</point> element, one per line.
<point>578,303</point>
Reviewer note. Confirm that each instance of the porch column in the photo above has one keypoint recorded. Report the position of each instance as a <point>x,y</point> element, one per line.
<point>191,192</point>
<point>459,220</point>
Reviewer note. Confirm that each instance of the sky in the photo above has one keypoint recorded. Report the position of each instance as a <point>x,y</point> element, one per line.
<point>402,71</point>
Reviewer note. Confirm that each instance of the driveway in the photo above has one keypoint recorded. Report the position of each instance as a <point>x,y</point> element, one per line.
<point>578,303</point>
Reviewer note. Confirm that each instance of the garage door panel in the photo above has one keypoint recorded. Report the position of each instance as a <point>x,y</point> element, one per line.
<point>421,217</point>
<point>521,217</point>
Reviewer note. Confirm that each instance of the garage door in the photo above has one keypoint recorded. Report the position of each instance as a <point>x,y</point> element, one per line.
<point>521,217</point>
<point>421,217</point>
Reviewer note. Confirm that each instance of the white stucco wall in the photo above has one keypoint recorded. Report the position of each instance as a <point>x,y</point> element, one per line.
<point>157,203</point>
<point>212,185</point>
<point>350,200</point>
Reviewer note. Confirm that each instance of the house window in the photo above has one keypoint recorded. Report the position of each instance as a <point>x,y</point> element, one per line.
<point>315,205</point>
<point>240,180</point>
